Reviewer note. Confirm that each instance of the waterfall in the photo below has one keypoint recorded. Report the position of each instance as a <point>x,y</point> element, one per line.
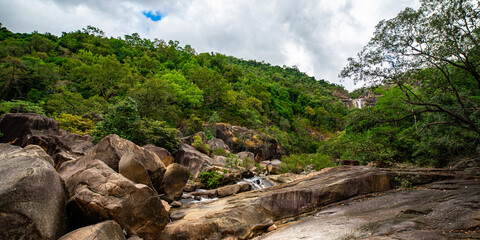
<point>359,102</point>
<point>257,182</point>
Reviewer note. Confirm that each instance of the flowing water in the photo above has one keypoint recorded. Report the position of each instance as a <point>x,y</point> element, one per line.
<point>359,102</point>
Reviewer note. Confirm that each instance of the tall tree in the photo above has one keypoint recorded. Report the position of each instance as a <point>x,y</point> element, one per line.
<point>441,36</point>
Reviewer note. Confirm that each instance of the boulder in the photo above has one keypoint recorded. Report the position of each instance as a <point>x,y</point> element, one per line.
<point>233,189</point>
<point>98,193</point>
<point>107,230</point>
<point>111,151</point>
<point>189,140</point>
<point>215,143</point>
<point>273,167</point>
<point>24,129</point>
<point>174,181</point>
<point>32,195</point>
<point>243,155</point>
<point>241,139</point>
<point>162,153</point>
<point>193,159</point>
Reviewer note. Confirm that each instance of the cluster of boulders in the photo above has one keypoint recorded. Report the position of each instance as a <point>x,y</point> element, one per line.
<point>56,184</point>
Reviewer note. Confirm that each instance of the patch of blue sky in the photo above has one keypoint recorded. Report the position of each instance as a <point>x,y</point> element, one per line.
<point>153,15</point>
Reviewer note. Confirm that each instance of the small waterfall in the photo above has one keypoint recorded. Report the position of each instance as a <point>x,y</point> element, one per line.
<point>257,182</point>
<point>359,102</point>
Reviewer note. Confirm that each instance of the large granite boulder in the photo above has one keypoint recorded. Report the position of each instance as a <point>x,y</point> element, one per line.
<point>24,129</point>
<point>140,165</point>
<point>32,195</point>
<point>98,193</point>
<point>162,153</point>
<point>241,139</point>
<point>193,159</point>
<point>107,230</point>
<point>215,143</point>
<point>174,180</point>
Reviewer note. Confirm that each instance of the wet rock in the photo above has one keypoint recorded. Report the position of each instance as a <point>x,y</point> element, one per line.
<point>24,129</point>
<point>138,165</point>
<point>442,210</point>
<point>233,189</point>
<point>98,193</point>
<point>162,153</point>
<point>176,204</point>
<point>32,195</point>
<point>108,230</point>
<point>174,180</point>
<point>246,214</point>
<point>241,139</point>
<point>215,143</point>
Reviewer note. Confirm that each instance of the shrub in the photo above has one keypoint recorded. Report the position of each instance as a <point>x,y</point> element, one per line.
<point>21,106</point>
<point>75,124</point>
<point>220,152</point>
<point>297,163</point>
<point>211,179</point>
<point>232,161</point>
<point>247,163</point>
<point>198,144</point>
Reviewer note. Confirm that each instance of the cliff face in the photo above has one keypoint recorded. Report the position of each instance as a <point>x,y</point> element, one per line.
<point>368,99</point>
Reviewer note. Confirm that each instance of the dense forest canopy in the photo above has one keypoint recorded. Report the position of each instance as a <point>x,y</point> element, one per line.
<point>161,84</point>
<point>424,67</point>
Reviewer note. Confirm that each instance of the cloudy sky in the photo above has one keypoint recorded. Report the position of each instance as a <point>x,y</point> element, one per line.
<point>315,35</point>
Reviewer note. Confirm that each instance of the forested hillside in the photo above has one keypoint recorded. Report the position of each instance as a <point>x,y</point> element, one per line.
<point>145,89</point>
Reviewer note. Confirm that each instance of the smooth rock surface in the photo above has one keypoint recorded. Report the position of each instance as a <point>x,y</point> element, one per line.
<point>215,143</point>
<point>108,230</point>
<point>245,214</point>
<point>193,159</point>
<point>442,210</point>
<point>174,180</point>
<point>98,193</point>
<point>162,153</point>
<point>32,195</point>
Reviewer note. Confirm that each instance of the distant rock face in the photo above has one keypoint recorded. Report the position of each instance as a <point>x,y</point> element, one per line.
<point>32,195</point>
<point>108,230</point>
<point>23,129</point>
<point>367,99</point>
<point>162,153</point>
<point>241,139</point>
<point>98,193</point>
<point>139,165</point>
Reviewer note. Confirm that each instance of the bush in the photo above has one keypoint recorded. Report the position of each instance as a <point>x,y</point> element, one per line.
<point>232,161</point>
<point>220,152</point>
<point>297,163</point>
<point>158,133</point>
<point>122,119</point>
<point>198,144</point>
<point>21,106</point>
<point>75,124</point>
<point>211,179</point>
<point>247,163</point>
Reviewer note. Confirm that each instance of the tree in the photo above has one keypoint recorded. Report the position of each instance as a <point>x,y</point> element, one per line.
<point>432,54</point>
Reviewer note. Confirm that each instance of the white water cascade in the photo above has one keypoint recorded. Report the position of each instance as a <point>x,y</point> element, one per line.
<point>359,102</point>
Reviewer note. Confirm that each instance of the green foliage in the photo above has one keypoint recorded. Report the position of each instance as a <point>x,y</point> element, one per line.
<point>232,161</point>
<point>198,144</point>
<point>211,179</point>
<point>158,133</point>
<point>21,106</point>
<point>298,163</point>
<point>247,163</point>
<point>122,119</point>
<point>220,152</point>
<point>75,124</point>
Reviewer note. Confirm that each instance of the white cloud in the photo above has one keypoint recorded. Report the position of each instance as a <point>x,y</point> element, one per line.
<point>317,36</point>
